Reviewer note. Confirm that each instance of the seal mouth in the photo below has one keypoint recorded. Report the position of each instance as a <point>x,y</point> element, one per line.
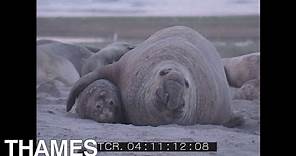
<point>103,116</point>
<point>170,97</point>
<point>177,81</point>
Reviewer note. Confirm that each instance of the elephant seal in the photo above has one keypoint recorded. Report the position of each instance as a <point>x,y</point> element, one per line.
<point>242,69</point>
<point>75,54</point>
<point>91,103</point>
<point>53,67</point>
<point>111,53</point>
<point>175,76</point>
<point>101,102</point>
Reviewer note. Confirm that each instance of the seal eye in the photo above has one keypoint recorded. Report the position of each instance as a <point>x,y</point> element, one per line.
<point>186,83</point>
<point>111,103</point>
<point>165,71</point>
<point>98,106</point>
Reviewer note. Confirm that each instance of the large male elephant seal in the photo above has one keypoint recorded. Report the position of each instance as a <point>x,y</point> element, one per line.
<point>111,53</point>
<point>175,76</point>
<point>242,69</point>
<point>75,54</point>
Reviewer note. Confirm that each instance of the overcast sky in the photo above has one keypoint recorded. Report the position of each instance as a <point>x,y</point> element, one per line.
<point>147,7</point>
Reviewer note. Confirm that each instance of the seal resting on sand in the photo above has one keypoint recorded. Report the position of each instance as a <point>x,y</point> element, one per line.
<point>53,67</point>
<point>242,69</point>
<point>101,102</point>
<point>111,53</point>
<point>75,54</point>
<point>175,76</point>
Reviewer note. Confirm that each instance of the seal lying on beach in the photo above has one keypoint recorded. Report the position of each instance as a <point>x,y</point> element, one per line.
<point>111,53</point>
<point>101,102</point>
<point>175,76</point>
<point>53,67</point>
<point>242,69</point>
<point>75,54</point>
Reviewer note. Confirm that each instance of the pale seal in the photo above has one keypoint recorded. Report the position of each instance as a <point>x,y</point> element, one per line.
<point>242,69</point>
<point>53,67</point>
<point>75,54</point>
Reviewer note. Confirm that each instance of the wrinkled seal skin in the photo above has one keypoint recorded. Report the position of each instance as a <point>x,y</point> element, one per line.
<point>101,102</point>
<point>175,76</point>
<point>75,54</point>
<point>242,69</point>
<point>107,55</point>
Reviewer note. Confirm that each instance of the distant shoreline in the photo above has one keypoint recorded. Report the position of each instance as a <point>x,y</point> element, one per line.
<point>154,16</point>
<point>232,35</point>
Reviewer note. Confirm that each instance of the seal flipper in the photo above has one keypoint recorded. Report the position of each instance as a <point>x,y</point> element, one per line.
<point>83,82</point>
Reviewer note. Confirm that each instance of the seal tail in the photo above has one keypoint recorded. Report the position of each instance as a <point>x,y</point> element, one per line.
<point>83,82</point>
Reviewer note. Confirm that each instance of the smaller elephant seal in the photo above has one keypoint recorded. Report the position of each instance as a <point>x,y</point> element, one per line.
<point>100,101</point>
<point>242,69</point>
<point>107,55</point>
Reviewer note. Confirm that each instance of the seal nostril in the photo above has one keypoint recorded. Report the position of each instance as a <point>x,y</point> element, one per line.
<point>111,103</point>
<point>186,84</point>
<point>165,71</point>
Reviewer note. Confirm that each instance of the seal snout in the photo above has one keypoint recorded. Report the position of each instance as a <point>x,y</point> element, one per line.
<point>171,92</point>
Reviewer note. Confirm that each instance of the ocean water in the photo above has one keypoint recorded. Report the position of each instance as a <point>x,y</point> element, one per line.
<point>76,8</point>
